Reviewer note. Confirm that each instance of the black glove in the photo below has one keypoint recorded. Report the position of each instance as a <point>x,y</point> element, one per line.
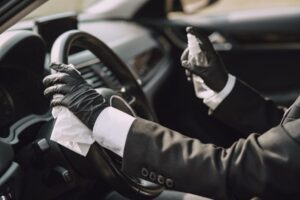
<point>78,96</point>
<point>292,113</point>
<point>214,72</point>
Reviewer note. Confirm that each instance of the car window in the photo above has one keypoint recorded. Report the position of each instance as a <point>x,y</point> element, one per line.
<point>60,6</point>
<point>194,7</point>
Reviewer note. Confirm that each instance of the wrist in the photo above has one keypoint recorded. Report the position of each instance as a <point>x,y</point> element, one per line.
<point>216,79</point>
<point>111,129</point>
<point>224,82</point>
<point>215,100</point>
<point>95,114</point>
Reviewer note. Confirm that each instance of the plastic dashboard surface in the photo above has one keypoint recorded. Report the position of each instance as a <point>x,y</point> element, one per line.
<point>129,41</point>
<point>134,44</point>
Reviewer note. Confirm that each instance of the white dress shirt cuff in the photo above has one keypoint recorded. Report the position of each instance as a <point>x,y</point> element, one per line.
<point>215,100</point>
<point>111,129</point>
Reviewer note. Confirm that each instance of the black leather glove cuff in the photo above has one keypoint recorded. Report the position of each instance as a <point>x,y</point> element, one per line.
<point>292,113</point>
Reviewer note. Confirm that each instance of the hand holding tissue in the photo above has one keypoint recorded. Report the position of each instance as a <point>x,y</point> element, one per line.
<point>202,60</point>
<point>76,106</point>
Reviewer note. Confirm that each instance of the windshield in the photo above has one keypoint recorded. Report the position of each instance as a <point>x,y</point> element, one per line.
<point>60,6</point>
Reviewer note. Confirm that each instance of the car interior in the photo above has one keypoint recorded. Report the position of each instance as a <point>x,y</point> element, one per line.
<point>131,49</point>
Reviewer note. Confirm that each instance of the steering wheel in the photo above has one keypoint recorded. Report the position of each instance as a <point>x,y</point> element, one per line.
<point>108,165</point>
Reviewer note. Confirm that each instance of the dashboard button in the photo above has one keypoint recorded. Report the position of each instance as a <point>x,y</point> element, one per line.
<point>41,146</point>
<point>59,175</point>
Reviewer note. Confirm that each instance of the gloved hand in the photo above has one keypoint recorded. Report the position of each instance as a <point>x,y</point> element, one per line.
<point>292,113</point>
<point>213,72</point>
<point>78,96</point>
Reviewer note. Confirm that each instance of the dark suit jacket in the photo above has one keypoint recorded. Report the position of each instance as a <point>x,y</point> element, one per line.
<point>247,111</point>
<point>265,165</point>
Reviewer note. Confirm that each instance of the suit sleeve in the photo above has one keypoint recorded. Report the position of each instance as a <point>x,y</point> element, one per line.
<point>266,166</point>
<point>247,111</point>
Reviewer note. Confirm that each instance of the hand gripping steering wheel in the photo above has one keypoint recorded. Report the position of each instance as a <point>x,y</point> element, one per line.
<point>107,165</point>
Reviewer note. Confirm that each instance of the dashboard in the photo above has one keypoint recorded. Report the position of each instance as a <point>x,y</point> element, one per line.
<point>20,95</point>
<point>21,89</point>
<point>24,61</point>
<point>146,54</point>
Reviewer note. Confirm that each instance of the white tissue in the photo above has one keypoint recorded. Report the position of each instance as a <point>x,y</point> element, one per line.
<point>193,45</point>
<point>202,91</point>
<point>197,57</point>
<point>70,132</point>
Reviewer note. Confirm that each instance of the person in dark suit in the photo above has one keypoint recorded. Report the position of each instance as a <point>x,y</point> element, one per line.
<point>264,164</point>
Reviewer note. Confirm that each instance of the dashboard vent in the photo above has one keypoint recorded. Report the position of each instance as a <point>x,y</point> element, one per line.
<point>98,75</point>
<point>91,77</point>
<point>110,77</point>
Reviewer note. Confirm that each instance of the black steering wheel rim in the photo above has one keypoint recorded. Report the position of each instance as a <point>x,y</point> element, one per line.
<point>97,155</point>
<point>61,49</point>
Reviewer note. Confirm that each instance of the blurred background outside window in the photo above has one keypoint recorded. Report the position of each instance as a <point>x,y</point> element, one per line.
<point>195,7</point>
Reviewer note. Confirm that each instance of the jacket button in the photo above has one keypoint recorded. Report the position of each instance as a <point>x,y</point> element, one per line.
<point>169,183</point>
<point>152,176</point>
<point>161,179</point>
<point>145,172</point>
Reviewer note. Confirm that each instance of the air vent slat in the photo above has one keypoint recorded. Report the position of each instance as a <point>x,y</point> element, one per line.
<point>98,84</point>
<point>88,75</point>
<point>85,70</point>
<point>98,75</point>
<point>91,77</point>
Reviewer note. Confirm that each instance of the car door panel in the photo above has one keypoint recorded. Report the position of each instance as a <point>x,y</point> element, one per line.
<point>264,48</point>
